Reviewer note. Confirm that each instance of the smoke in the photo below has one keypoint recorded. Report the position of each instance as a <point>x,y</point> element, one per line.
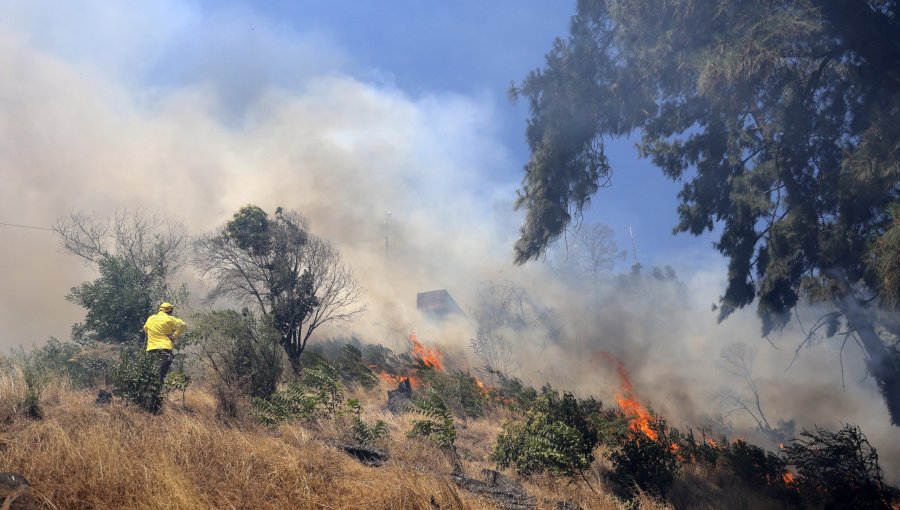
<point>158,105</point>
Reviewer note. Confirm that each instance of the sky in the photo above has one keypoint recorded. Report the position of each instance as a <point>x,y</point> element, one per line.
<point>346,111</point>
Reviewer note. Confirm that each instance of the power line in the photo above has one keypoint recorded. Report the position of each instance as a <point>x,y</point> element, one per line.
<point>23,226</point>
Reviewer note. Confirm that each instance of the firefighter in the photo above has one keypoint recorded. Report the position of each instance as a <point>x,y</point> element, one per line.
<point>162,329</point>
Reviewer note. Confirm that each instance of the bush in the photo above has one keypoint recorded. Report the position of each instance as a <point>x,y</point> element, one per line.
<point>319,394</point>
<point>839,469</point>
<point>242,351</point>
<point>754,466</point>
<point>360,431</point>
<point>437,426</point>
<point>136,380</point>
<point>559,434</point>
<point>354,370</point>
<point>459,390</point>
<point>645,463</point>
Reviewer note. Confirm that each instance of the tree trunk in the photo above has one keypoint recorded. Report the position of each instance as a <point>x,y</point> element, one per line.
<point>882,361</point>
<point>293,350</point>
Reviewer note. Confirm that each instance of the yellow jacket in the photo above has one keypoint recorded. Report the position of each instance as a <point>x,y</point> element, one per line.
<point>161,329</point>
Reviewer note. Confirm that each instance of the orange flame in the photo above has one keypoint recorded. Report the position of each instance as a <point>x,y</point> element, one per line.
<point>712,442</point>
<point>431,357</point>
<point>787,477</point>
<point>641,417</point>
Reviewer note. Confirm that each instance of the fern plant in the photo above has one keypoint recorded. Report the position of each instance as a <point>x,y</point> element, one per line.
<point>437,426</point>
<point>360,431</point>
<point>325,380</point>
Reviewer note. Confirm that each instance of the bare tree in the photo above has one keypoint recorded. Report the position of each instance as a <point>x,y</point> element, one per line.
<point>502,309</point>
<point>277,265</point>
<point>587,256</point>
<point>149,241</point>
<point>737,360</point>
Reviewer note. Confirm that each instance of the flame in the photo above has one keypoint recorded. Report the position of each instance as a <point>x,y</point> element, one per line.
<point>431,357</point>
<point>481,385</point>
<point>641,417</point>
<point>781,446</point>
<point>787,477</point>
<point>712,442</point>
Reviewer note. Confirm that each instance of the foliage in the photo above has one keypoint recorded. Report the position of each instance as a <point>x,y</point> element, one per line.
<point>324,379</point>
<point>319,393</point>
<point>645,463</point>
<point>36,379</point>
<point>354,370</point>
<point>136,254</point>
<point>360,431</point>
<point>437,425</point>
<point>839,469</point>
<point>177,380</point>
<point>458,389</point>
<point>511,391</point>
<point>291,402</point>
<point>117,303</point>
<point>136,380</point>
<point>276,264</point>
<point>780,119</point>
<point>242,350</point>
<point>754,466</point>
<point>558,434</point>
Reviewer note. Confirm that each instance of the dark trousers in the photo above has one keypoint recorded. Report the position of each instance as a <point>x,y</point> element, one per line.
<point>163,359</point>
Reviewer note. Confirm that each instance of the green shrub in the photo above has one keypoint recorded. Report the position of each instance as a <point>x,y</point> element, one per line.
<point>177,380</point>
<point>437,426</point>
<point>459,390</point>
<point>136,380</point>
<point>559,434</point>
<point>242,351</point>
<point>289,403</point>
<point>36,379</point>
<point>354,370</point>
<point>645,463</point>
<point>318,395</point>
<point>754,466</point>
<point>360,431</point>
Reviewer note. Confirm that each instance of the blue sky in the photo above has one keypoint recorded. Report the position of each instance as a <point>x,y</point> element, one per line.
<point>469,48</point>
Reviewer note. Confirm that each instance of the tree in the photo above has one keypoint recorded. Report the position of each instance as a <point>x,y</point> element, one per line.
<point>780,119</point>
<point>587,257</point>
<point>737,360</point>
<point>277,265</point>
<point>137,253</point>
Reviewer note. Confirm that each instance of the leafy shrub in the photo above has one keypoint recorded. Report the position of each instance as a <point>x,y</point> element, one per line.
<point>93,365</point>
<point>437,426</point>
<point>511,392</point>
<point>136,380</point>
<point>839,469</point>
<point>177,380</point>
<point>559,434</point>
<point>645,463</point>
<point>360,431</point>
<point>354,370</point>
<point>319,394</point>
<point>754,466</point>
<point>36,379</point>
<point>241,350</point>
<point>459,390</point>
<point>324,380</point>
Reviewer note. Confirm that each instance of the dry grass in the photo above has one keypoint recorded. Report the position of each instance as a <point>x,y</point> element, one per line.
<point>83,455</point>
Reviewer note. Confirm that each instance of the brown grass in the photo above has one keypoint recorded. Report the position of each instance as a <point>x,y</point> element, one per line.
<point>83,455</point>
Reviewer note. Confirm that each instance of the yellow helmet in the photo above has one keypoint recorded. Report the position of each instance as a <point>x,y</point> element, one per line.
<point>166,307</point>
